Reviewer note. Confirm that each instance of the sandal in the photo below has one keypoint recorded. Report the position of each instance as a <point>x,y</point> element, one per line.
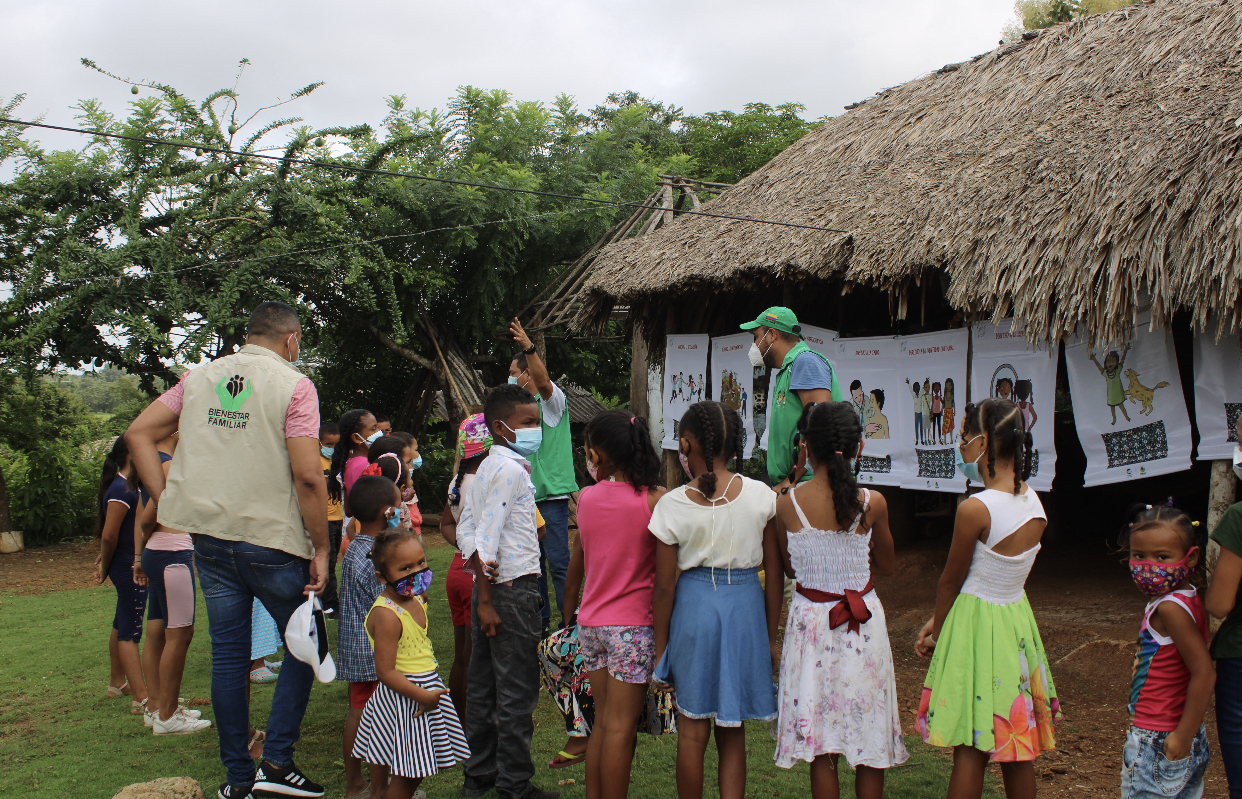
<point>256,739</point>
<point>569,759</point>
<point>262,675</point>
<point>114,692</point>
<point>137,708</point>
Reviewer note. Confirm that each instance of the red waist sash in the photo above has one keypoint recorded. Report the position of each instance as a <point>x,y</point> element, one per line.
<point>850,608</point>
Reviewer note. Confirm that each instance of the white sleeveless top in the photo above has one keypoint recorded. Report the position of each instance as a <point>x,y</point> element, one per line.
<point>1000,579</point>
<point>830,560</point>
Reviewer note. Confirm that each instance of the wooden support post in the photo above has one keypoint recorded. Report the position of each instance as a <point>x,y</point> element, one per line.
<point>638,375</point>
<point>671,473</point>
<point>1221,494</point>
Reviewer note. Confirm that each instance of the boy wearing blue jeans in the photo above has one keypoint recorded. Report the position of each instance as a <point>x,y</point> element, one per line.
<point>497,528</point>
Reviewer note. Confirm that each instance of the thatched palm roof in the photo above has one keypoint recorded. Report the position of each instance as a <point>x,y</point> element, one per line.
<point>1067,179</point>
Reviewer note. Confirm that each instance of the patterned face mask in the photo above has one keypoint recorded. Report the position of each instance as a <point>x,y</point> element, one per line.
<point>1157,579</point>
<point>413,584</point>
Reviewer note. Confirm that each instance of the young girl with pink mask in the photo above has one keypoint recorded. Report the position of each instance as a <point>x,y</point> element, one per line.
<point>1166,750</point>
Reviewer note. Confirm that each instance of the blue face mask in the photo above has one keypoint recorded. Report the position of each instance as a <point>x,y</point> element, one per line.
<point>969,470</point>
<point>512,380</point>
<point>376,436</point>
<point>326,452</point>
<point>417,463</point>
<point>526,441</point>
<point>394,521</point>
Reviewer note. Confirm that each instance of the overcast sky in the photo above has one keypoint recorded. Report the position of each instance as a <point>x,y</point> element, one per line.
<point>703,56</point>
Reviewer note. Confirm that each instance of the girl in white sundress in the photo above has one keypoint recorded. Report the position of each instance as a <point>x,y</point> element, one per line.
<point>838,694</point>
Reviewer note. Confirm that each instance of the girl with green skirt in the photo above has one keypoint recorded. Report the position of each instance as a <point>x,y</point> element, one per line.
<point>988,692</point>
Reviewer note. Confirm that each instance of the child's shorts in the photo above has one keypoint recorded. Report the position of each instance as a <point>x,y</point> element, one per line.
<point>131,600</point>
<point>360,692</point>
<point>1147,774</point>
<point>170,586</point>
<point>627,652</point>
<point>459,586</point>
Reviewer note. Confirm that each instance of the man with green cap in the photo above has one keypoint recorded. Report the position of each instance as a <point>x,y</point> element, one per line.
<point>804,377</point>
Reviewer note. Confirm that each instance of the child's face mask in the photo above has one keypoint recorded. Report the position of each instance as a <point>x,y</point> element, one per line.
<point>1157,579</point>
<point>413,584</point>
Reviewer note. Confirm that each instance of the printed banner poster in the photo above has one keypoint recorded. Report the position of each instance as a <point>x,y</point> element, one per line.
<point>730,367</point>
<point>1218,393</point>
<point>685,375</point>
<point>932,369</point>
<point>1004,365</point>
<point>817,338</point>
<point>867,369</point>
<point>1128,406</point>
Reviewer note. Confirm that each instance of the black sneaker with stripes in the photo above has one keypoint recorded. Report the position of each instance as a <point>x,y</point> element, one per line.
<point>272,781</point>
<point>228,791</point>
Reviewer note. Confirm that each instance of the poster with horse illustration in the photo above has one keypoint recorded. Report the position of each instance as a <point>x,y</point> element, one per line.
<point>1128,405</point>
<point>869,375</point>
<point>1218,392</point>
<point>932,370</point>
<point>685,375</point>
<point>732,380</point>
<point>1004,365</point>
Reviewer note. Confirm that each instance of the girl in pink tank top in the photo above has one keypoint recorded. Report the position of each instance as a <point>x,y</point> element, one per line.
<point>615,554</point>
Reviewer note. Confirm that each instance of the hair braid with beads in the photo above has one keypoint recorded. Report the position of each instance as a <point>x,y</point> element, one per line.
<point>833,434</point>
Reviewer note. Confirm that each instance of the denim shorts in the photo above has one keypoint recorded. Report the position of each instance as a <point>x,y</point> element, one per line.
<point>1147,774</point>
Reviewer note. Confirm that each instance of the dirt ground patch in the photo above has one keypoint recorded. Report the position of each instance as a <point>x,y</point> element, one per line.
<point>1088,612</point>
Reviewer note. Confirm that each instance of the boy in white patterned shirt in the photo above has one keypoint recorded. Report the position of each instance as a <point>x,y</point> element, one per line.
<point>497,526</point>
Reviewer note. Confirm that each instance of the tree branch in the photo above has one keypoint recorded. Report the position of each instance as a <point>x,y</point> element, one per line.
<point>408,354</point>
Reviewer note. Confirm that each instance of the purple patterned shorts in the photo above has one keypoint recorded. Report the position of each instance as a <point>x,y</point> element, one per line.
<point>627,652</point>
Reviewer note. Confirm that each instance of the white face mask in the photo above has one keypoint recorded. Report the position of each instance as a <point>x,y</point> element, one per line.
<point>756,355</point>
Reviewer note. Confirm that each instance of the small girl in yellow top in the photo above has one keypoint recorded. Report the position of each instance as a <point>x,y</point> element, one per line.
<point>405,726</point>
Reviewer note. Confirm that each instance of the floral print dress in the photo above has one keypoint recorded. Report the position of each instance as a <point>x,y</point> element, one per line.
<point>838,690</point>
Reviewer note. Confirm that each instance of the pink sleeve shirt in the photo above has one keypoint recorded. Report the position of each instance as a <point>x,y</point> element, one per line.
<point>301,419</point>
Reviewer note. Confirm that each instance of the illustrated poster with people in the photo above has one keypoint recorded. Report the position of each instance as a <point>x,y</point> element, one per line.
<point>870,378</point>
<point>932,369</point>
<point>1218,392</point>
<point>733,380</point>
<point>1128,405</point>
<point>1005,365</point>
<point>685,374</point>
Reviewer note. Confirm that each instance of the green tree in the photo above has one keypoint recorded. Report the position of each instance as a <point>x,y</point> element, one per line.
<point>726,146</point>
<point>1037,14</point>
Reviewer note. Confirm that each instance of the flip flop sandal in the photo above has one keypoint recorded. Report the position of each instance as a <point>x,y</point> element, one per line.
<point>114,692</point>
<point>365,792</point>
<point>568,761</point>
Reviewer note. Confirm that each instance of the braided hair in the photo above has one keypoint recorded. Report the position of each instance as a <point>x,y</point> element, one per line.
<point>833,434</point>
<point>348,425</point>
<point>625,439</point>
<point>718,430</point>
<point>1008,438</point>
<point>385,542</point>
<point>462,468</point>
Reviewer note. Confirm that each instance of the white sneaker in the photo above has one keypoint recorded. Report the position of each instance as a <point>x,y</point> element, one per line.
<point>149,717</point>
<point>188,713</point>
<point>180,724</point>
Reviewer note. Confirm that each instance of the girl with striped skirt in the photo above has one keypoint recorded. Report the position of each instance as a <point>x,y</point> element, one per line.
<point>405,725</point>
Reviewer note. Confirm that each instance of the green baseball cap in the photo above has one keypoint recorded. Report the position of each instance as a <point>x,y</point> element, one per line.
<point>778,318</point>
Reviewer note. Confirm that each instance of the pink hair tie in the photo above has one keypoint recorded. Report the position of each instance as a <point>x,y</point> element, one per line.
<point>392,455</point>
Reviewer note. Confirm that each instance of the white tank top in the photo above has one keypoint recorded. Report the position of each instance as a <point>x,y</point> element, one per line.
<point>830,560</point>
<point>1000,579</point>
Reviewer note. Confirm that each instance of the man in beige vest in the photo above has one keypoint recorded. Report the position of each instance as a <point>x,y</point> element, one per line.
<point>248,485</point>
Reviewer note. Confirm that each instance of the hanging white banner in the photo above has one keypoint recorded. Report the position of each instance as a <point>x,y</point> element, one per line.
<point>732,380</point>
<point>932,368</point>
<point>869,375</point>
<point>1218,393</point>
<point>1128,406</point>
<point>1003,365</point>
<point>685,371</point>
<point>767,409</point>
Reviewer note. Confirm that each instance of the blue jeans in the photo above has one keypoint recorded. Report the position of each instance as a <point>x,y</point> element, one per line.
<point>554,553</point>
<point>1229,720</point>
<point>232,574</point>
<point>1147,774</point>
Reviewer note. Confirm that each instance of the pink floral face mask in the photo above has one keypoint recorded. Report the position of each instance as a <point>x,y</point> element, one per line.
<point>1157,579</point>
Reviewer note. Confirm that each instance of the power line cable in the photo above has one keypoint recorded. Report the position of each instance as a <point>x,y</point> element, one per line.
<point>390,173</point>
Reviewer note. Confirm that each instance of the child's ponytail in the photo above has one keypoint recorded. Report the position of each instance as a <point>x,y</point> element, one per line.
<point>625,439</point>
<point>833,435</point>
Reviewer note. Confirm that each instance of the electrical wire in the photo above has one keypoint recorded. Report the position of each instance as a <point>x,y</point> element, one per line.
<point>390,173</point>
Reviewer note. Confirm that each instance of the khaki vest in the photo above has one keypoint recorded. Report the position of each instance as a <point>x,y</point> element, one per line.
<point>231,478</point>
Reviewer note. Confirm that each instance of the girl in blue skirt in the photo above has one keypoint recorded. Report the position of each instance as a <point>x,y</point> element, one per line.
<point>710,622</point>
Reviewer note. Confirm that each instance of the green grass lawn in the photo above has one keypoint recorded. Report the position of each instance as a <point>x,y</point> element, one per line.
<point>59,736</point>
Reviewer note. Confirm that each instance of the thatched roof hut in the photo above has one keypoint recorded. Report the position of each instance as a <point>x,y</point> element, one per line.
<point>1065,179</point>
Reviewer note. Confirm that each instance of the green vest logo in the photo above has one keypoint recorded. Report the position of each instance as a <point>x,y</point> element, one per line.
<point>234,393</point>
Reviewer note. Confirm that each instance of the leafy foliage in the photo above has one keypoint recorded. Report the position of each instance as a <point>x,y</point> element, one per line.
<point>1038,14</point>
